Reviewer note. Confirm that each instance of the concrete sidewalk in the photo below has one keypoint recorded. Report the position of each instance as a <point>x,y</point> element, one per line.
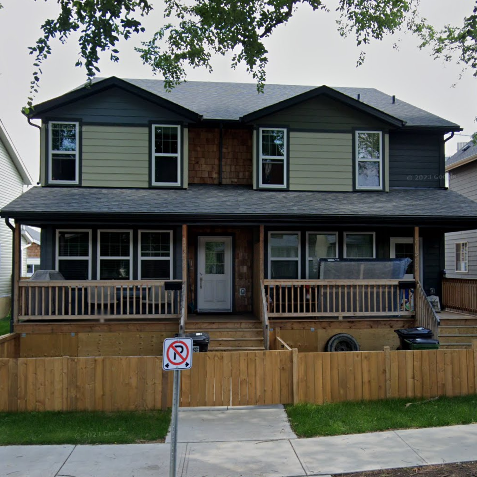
<point>245,442</point>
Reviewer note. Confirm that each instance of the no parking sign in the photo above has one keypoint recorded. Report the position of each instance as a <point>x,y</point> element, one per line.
<point>177,354</point>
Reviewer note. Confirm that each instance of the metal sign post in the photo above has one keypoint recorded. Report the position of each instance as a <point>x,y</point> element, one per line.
<point>176,355</point>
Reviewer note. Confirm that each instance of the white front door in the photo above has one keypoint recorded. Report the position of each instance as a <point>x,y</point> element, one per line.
<point>214,274</point>
<point>403,247</point>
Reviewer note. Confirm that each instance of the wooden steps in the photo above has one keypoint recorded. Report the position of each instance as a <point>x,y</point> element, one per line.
<point>457,330</point>
<point>234,334</point>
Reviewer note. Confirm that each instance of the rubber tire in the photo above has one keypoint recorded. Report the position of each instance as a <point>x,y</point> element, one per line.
<point>342,342</point>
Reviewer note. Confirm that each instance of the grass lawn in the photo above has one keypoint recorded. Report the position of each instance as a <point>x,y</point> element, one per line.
<point>83,427</point>
<point>309,420</point>
<point>5,325</point>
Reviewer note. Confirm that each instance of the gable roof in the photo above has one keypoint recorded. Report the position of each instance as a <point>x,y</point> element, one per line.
<point>241,204</point>
<point>463,156</point>
<point>31,234</point>
<point>216,101</point>
<point>13,153</point>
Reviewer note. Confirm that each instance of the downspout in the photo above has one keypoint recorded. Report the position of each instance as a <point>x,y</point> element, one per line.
<point>12,228</point>
<point>221,152</point>
<point>39,127</point>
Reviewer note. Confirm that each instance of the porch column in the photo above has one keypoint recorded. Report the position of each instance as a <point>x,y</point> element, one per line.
<point>184,269</point>
<point>17,270</point>
<point>258,273</point>
<point>417,259</point>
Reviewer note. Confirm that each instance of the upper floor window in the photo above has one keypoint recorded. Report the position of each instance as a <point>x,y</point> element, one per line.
<point>461,257</point>
<point>63,163</point>
<point>369,160</point>
<point>73,254</point>
<point>166,157</point>
<point>319,245</point>
<point>273,157</point>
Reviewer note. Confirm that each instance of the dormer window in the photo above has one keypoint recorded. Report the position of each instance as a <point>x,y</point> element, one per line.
<point>273,158</point>
<point>166,156</point>
<point>63,163</point>
<point>369,160</point>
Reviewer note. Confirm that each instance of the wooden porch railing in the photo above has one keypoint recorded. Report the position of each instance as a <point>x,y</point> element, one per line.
<point>459,294</point>
<point>93,300</point>
<point>342,298</point>
<point>425,313</point>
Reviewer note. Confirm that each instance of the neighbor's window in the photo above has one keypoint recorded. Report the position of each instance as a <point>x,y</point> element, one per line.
<point>319,245</point>
<point>63,161</point>
<point>155,254</point>
<point>461,257</point>
<point>273,157</point>
<point>114,254</point>
<point>73,254</point>
<point>166,160</point>
<point>284,255</point>
<point>369,160</point>
<point>359,245</point>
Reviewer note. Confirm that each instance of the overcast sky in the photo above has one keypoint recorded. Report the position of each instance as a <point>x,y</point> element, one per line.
<point>307,51</point>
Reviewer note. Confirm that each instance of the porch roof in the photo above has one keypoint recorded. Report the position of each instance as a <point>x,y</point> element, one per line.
<point>240,204</point>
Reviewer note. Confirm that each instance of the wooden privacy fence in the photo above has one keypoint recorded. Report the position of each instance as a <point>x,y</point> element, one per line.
<point>459,294</point>
<point>239,378</point>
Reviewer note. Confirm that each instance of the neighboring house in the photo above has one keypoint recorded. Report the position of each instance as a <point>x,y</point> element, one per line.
<point>33,250</point>
<point>461,247</point>
<point>231,198</point>
<point>13,177</point>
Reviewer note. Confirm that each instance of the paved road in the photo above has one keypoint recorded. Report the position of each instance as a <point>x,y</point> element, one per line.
<point>245,442</point>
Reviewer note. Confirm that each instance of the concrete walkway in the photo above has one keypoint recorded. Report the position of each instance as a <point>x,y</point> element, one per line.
<point>245,442</point>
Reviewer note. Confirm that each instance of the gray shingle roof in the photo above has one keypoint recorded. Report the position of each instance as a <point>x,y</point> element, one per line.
<point>231,101</point>
<point>466,152</point>
<point>240,203</point>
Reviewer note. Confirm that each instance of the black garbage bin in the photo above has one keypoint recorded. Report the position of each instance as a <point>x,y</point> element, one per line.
<point>200,340</point>
<point>412,334</point>
<point>421,343</point>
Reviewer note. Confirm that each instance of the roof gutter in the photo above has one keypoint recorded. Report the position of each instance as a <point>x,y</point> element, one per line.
<point>450,137</point>
<point>39,127</point>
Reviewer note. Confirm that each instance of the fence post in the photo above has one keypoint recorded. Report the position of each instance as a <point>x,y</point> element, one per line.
<point>295,375</point>
<point>474,347</point>
<point>387,363</point>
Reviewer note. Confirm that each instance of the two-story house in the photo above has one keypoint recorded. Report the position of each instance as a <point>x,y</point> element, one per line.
<point>215,206</point>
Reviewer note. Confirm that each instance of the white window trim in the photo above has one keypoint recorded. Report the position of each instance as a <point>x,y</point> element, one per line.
<point>90,247</point>
<point>466,256</point>
<point>51,153</point>
<point>380,160</point>
<point>284,158</point>
<point>154,155</point>
<point>283,259</point>
<point>98,271</point>
<point>308,258</point>
<point>345,234</point>
<point>170,258</point>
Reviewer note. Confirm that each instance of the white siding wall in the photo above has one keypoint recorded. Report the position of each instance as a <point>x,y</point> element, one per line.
<point>10,188</point>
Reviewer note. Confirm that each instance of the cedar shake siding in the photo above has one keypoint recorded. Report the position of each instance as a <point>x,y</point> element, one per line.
<point>204,156</point>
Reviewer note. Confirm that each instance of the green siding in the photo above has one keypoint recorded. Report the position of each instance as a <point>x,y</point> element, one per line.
<point>115,156</point>
<point>321,161</point>
<point>321,113</point>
